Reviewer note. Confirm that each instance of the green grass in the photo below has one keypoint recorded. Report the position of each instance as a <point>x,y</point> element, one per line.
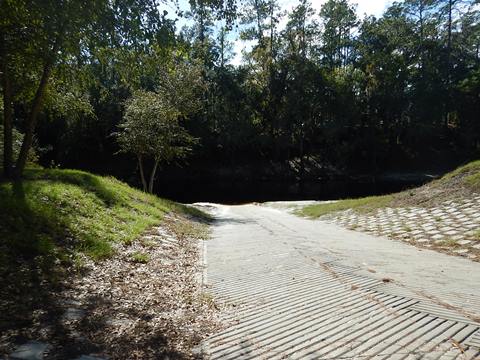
<point>364,205</point>
<point>451,243</point>
<point>465,177</point>
<point>473,181</point>
<point>55,221</point>
<point>61,214</point>
<point>140,257</point>
<point>470,174</point>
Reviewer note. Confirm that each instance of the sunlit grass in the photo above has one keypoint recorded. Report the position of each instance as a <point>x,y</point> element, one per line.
<point>63,213</point>
<point>140,257</point>
<point>366,204</point>
<point>470,174</point>
<point>467,176</point>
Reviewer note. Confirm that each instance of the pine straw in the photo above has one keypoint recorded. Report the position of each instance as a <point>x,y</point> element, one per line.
<point>125,309</point>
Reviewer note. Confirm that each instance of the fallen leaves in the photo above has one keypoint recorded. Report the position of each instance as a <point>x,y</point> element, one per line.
<point>455,344</point>
<point>128,309</point>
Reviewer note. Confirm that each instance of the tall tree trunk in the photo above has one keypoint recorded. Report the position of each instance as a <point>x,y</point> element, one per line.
<point>272,33</point>
<point>449,28</point>
<point>36,107</point>
<point>7,127</point>
<point>201,23</point>
<point>422,41</point>
<point>32,120</point>
<point>302,154</point>
<point>152,177</point>
<point>259,24</point>
<point>222,48</point>
<point>7,114</point>
<point>449,63</point>
<point>142,173</point>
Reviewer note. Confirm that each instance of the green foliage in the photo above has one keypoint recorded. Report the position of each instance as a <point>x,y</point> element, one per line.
<point>259,17</point>
<point>42,42</point>
<point>181,86</point>
<point>353,93</point>
<point>68,101</point>
<point>151,128</point>
<point>339,19</point>
<point>151,125</point>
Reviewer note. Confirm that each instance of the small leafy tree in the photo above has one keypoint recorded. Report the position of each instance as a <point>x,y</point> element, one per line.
<point>151,129</point>
<point>42,40</point>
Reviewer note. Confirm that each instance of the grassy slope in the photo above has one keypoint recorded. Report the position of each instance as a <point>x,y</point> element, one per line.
<point>458,183</point>
<point>58,215</point>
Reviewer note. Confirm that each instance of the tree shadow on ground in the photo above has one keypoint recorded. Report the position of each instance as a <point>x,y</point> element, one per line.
<point>233,221</point>
<point>101,319</point>
<point>30,276</point>
<point>35,276</point>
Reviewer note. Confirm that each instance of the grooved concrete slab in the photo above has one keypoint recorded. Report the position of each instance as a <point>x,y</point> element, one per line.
<point>306,289</point>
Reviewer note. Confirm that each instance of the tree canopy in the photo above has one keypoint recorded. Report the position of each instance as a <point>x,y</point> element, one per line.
<point>317,89</point>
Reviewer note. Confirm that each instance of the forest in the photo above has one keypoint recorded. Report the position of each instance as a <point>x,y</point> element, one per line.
<point>121,88</point>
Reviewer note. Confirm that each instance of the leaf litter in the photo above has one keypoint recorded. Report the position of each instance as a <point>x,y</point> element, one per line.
<point>125,309</point>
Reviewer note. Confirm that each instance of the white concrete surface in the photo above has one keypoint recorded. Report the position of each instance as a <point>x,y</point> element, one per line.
<point>264,258</point>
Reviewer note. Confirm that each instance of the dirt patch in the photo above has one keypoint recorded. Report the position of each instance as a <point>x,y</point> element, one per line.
<point>453,186</point>
<point>144,303</point>
<point>434,194</point>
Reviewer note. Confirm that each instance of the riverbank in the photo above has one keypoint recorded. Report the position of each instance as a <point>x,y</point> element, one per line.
<point>90,266</point>
<point>443,215</point>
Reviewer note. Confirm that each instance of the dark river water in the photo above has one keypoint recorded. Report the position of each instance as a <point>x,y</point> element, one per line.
<point>261,191</point>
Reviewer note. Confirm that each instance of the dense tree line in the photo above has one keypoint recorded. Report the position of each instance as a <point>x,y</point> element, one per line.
<point>317,89</point>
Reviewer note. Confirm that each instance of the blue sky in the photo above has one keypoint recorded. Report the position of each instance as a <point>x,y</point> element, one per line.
<point>364,7</point>
<point>370,7</point>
